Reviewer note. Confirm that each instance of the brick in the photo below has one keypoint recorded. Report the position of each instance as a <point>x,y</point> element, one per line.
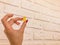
<point>32,42</point>
<point>41,42</point>
<point>28,34</point>
<point>4,44</point>
<point>11,2</point>
<point>2,14</point>
<point>1,7</point>
<point>2,34</point>
<point>57,36</point>
<point>43,35</point>
<point>4,41</point>
<point>52,42</point>
<point>10,9</point>
<point>34,23</point>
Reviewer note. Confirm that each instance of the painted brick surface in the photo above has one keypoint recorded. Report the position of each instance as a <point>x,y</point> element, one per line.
<point>43,27</point>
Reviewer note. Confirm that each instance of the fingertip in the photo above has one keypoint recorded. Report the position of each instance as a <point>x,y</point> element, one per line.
<point>26,21</point>
<point>6,17</point>
<point>10,14</point>
<point>23,26</point>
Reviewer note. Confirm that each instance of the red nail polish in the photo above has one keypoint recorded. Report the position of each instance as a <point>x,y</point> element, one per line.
<point>26,21</point>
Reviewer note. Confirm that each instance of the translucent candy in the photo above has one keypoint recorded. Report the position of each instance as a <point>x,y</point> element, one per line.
<point>24,18</point>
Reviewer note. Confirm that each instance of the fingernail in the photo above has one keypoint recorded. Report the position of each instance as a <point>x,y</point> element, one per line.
<point>26,21</point>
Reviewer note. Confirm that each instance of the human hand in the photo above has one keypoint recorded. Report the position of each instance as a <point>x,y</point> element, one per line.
<point>15,36</point>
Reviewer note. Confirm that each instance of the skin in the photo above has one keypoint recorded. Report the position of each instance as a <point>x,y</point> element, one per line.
<point>15,37</point>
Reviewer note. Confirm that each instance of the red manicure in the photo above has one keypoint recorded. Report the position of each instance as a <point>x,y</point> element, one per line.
<point>26,21</point>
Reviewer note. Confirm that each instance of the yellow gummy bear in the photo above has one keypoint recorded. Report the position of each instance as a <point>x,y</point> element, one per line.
<point>24,18</point>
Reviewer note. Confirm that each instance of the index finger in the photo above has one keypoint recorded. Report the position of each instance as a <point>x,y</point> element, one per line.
<point>5,18</point>
<point>17,19</point>
<point>14,20</point>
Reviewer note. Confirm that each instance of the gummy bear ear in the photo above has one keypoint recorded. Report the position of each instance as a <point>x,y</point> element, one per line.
<point>24,18</point>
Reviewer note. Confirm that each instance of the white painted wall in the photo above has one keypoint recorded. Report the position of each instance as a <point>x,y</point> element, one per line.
<point>43,27</point>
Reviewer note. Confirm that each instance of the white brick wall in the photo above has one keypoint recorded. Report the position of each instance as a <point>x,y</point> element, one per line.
<point>43,27</point>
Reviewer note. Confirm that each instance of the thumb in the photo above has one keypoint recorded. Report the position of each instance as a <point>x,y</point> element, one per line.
<point>23,26</point>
